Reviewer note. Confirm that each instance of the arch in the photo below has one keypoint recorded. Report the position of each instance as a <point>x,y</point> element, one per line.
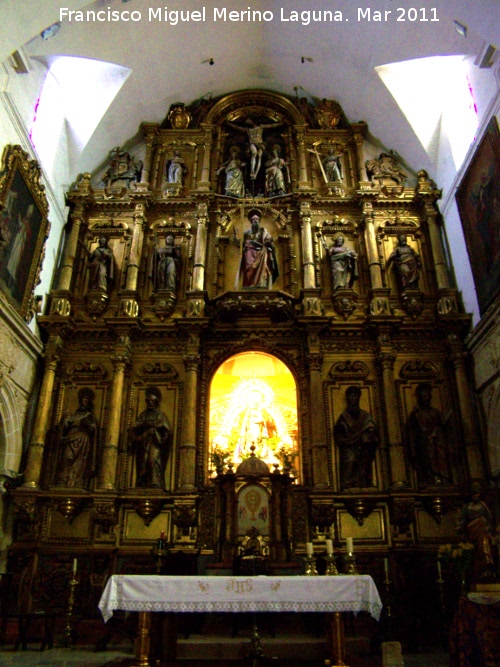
<point>263,102</point>
<point>253,407</point>
<point>11,430</point>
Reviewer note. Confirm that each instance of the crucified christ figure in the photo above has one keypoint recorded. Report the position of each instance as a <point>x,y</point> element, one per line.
<point>256,141</point>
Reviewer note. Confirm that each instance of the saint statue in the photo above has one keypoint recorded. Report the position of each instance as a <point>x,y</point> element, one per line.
<point>475,524</point>
<point>331,165</point>
<point>427,435</point>
<point>152,442</point>
<point>258,264</point>
<point>343,263</point>
<point>101,266</point>
<point>356,436</point>
<point>77,443</point>
<point>276,168</point>
<point>407,264</point>
<point>176,169</point>
<point>234,185</point>
<point>164,269</point>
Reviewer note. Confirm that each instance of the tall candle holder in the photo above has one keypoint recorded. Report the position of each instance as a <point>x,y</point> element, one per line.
<point>311,570</point>
<point>160,550</point>
<point>331,566</point>
<point>68,632</point>
<point>350,563</point>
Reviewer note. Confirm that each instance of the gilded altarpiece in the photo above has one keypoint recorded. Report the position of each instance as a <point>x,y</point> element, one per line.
<point>255,226</point>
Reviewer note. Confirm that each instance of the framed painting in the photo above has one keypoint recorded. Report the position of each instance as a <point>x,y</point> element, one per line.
<point>24,227</point>
<point>478,199</point>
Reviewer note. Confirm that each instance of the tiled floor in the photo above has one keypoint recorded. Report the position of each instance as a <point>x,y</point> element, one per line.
<point>63,657</point>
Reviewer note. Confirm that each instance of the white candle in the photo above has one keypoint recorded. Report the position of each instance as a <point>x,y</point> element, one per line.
<point>439,568</point>
<point>386,567</point>
<point>309,549</point>
<point>75,564</point>
<point>349,545</point>
<point>329,547</point>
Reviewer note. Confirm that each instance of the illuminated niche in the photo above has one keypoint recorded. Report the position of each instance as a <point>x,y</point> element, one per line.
<point>253,407</point>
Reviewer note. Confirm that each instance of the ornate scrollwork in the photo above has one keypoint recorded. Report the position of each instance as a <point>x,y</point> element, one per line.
<point>344,303</point>
<point>413,303</point>
<point>231,305</point>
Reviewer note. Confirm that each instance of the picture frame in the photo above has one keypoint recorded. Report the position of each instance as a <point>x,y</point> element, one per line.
<point>478,200</point>
<point>24,228</point>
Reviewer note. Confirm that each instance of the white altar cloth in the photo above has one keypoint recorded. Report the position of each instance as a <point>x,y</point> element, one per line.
<point>240,594</point>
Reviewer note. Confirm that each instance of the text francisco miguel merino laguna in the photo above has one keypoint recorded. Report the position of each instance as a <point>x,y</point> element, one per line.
<point>249,15</point>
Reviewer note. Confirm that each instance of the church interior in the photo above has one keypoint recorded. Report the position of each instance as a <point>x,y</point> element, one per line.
<point>249,325</point>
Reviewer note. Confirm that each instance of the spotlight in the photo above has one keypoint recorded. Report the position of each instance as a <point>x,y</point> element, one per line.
<point>50,31</point>
<point>460,28</point>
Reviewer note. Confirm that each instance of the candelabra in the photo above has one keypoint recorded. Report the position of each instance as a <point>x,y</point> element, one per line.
<point>68,639</point>
<point>350,563</point>
<point>331,567</point>
<point>311,570</point>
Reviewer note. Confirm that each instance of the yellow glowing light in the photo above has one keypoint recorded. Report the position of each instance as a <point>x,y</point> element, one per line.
<point>253,404</point>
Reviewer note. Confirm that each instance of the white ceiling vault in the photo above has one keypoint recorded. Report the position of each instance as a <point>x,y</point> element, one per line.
<point>167,63</point>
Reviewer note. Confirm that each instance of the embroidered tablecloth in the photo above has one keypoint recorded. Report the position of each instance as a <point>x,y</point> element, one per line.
<point>240,594</point>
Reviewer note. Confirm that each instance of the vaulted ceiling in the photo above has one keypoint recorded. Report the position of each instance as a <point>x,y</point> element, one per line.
<point>334,60</point>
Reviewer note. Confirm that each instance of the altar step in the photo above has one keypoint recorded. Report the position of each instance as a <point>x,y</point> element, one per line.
<point>296,648</point>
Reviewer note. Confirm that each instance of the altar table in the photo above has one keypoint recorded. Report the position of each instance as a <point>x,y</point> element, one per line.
<point>156,593</point>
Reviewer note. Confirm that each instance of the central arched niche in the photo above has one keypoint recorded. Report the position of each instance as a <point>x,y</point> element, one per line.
<point>253,402</point>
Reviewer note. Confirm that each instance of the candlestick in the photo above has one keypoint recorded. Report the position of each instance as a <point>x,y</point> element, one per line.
<point>386,567</point>
<point>349,544</point>
<point>68,632</point>
<point>329,547</point>
<point>75,565</point>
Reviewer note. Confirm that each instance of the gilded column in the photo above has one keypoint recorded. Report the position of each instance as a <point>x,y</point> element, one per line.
<point>319,449</point>
<point>307,246</point>
<point>447,295</point>
<point>457,357</point>
<point>359,131</point>
<point>385,361</point>
<point>204,183</point>
<point>69,253</point>
<point>301,150</point>
<point>149,130</point>
<point>379,294</point>
<point>200,248</point>
<point>120,362</point>
<point>37,444</point>
<point>187,454</point>
<point>136,247</point>
<point>372,248</point>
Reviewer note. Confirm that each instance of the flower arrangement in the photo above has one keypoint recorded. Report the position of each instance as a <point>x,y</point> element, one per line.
<point>286,457</point>
<point>219,459</point>
<point>461,555</point>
